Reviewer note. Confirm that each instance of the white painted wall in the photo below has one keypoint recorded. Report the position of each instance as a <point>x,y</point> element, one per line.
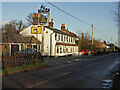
<point>47,41</point>
<point>27,32</point>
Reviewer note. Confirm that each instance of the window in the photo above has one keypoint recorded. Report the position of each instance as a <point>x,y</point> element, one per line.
<point>28,46</point>
<point>72,39</point>
<point>57,49</point>
<point>61,37</point>
<point>35,47</point>
<point>71,49</point>
<point>55,36</point>
<point>64,38</point>
<point>60,49</point>
<point>69,38</point>
<point>58,37</point>
<point>64,49</point>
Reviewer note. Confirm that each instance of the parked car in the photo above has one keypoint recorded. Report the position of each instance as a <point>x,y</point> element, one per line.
<point>27,51</point>
<point>93,52</point>
<point>87,51</point>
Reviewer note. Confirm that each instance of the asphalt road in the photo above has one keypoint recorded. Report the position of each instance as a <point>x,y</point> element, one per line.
<point>82,73</point>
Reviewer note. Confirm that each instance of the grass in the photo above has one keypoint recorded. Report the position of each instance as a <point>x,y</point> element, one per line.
<point>18,69</point>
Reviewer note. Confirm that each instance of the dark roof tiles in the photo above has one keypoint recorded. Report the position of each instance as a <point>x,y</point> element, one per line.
<point>17,38</point>
<point>60,31</point>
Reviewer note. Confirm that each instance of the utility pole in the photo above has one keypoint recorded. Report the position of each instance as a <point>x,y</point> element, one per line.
<point>111,44</point>
<point>92,34</point>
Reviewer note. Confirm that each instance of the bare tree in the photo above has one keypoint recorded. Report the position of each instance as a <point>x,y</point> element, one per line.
<point>79,34</point>
<point>87,36</point>
<point>13,26</point>
<point>9,27</point>
<point>20,25</point>
<point>30,18</point>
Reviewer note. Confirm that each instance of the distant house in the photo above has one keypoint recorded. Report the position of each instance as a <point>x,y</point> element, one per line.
<point>12,43</point>
<point>56,42</point>
<point>104,45</point>
<point>87,43</point>
<point>97,43</point>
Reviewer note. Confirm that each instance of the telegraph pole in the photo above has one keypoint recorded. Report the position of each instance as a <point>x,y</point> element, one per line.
<point>92,34</point>
<point>111,44</point>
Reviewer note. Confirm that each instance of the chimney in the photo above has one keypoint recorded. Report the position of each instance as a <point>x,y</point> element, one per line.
<point>63,27</point>
<point>67,29</point>
<point>104,42</point>
<point>82,36</point>
<point>35,19</point>
<point>51,23</point>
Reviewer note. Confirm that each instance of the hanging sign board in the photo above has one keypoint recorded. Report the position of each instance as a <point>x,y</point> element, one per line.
<point>43,19</point>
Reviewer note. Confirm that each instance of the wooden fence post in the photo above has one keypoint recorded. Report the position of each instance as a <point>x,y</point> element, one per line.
<point>5,61</point>
<point>36,58</point>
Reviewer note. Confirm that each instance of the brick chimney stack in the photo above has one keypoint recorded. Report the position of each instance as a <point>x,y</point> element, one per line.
<point>35,19</point>
<point>82,36</point>
<point>104,42</point>
<point>51,23</point>
<point>67,29</point>
<point>63,27</point>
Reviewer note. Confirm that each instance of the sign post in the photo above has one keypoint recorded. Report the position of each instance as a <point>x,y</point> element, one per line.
<point>43,18</point>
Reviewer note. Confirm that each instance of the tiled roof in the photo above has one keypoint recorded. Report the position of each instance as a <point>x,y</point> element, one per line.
<point>86,42</point>
<point>70,33</point>
<point>66,44</point>
<point>97,43</point>
<point>17,38</point>
<point>60,31</point>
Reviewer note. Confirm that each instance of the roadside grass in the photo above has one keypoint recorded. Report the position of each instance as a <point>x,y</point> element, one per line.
<point>27,67</point>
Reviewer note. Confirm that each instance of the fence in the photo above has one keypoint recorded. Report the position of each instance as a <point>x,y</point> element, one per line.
<point>20,59</point>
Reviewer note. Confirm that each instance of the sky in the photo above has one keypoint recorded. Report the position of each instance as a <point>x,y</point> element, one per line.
<point>97,13</point>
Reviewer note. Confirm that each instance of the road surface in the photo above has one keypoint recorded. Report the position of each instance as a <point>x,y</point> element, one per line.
<point>83,73</point>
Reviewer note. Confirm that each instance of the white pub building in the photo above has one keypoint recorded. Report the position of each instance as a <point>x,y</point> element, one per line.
<point>54,42</point>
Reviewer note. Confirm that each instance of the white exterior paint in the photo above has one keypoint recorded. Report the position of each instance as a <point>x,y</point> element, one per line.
<point>50,47</point>
<point>27,32</point>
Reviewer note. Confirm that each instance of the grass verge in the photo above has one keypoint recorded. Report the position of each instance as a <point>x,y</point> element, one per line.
<point>23,68</point>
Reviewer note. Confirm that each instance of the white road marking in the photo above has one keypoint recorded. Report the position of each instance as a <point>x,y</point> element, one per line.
<point>69,61</point>
<point>64,74</point>
<point>38,84</point>
<point>77,59</point>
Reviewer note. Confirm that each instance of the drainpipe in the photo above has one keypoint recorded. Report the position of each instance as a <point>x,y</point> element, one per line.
<point>51,44</point>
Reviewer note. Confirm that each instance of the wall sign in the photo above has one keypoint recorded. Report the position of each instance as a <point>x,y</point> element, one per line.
<point>35,30</point>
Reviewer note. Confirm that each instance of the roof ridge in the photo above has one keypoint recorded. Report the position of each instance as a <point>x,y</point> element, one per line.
<point>60,30</point>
